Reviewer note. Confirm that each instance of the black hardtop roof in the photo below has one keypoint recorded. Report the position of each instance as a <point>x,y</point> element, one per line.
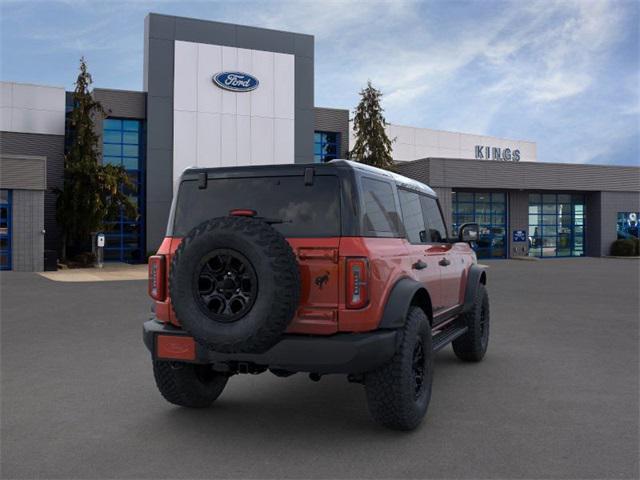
<point>292,169</point>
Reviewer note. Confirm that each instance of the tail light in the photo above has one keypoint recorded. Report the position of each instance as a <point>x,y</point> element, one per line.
<point>157,265</point>
<point>357,282</point>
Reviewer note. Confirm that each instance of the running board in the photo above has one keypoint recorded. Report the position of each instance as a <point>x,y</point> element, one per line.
<point>445,337</point>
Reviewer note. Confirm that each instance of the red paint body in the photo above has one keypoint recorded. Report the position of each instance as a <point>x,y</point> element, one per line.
<point>323,306</point>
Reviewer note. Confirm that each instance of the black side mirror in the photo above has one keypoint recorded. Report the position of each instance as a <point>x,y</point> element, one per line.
<point>469,232</point>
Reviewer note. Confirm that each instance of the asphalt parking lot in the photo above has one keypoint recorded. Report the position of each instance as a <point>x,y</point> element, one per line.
<point>556,397</point>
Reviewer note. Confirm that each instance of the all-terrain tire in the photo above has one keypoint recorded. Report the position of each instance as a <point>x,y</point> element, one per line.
<point>393,396</point>
<point>472,346</point>
<point>188,385</point>
<point>274,270</point>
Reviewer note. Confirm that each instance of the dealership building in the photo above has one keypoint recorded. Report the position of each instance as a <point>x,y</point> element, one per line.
<point>218,94</point>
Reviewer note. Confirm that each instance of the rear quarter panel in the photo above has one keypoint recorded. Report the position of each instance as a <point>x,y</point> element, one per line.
<point>389,261</point>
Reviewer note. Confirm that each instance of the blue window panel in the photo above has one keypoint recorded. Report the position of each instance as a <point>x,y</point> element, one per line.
<point>331,137</point>
<point>130,138</point>
<point>488,209</point>
<point>123,145</point>
<point>112,149</point>
<point>559,231</point>
<point>131,125</point>
<point>326,146</point>
<point>130,150</point>
<point>498,198</point>
<point>112,124</point>
<point>329,149</point>
<point>5,229</point>
<point>130,163</point>
<point>112,136</point>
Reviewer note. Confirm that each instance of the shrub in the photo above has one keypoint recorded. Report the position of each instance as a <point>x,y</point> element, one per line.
<point>624,248</point>
<point>82,260</point>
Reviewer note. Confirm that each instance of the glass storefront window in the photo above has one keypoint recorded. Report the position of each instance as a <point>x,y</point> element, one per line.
<point>556,225</point>
<point>123,145</point>
<point>5,229</point>
<point>326,146</point>
<point>488,210</point>
<point>627,225</point>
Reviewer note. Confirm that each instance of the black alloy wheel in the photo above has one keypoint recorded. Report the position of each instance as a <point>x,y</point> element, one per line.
<point>226,285</point>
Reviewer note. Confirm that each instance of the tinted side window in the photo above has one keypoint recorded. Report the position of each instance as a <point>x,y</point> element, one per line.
<point>412,216</point>
<point>432,216</point>
<point>380,215</point>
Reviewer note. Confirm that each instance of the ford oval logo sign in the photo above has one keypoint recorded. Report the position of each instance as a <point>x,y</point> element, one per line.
<point>236,81</point>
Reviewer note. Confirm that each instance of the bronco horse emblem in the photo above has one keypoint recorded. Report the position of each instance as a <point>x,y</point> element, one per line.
<point>322,280</point>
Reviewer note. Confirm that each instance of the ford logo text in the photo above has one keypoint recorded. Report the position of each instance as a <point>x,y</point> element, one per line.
<point>236,81</point>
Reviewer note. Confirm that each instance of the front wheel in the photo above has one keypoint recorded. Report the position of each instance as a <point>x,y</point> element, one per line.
<point>188,385</point>
<point>398,394</point>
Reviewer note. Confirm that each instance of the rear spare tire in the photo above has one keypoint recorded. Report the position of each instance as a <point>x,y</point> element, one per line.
<point>235,284</point>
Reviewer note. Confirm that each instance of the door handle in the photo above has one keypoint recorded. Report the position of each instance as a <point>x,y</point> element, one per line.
<point>419,265</point>
<point>444,262</point>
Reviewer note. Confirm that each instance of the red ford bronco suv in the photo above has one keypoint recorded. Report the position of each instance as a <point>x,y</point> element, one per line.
<point>332,268</point>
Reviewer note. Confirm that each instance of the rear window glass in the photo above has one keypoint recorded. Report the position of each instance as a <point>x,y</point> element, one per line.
<point>306,210</point>
<point>380,214</point>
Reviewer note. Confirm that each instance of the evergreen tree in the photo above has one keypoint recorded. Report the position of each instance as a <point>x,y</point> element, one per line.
<point>372,145</point>
<point>91,192</point>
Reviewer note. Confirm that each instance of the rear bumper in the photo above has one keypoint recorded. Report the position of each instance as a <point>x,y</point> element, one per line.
<point>339,353</point>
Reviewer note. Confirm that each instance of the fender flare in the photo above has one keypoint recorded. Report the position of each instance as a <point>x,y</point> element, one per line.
<point>477,275</point>
<point>399,301</point>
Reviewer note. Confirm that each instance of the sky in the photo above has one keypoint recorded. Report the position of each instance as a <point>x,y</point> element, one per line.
<point>565,74</point>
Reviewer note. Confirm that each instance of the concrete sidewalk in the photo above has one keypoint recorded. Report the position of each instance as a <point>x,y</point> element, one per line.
<point>111,272</point>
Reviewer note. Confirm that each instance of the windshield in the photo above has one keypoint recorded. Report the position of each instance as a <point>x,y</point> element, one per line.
<point>305,210</point>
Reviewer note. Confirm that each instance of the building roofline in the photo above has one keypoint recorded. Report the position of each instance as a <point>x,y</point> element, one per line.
<point>462,133</point>
<point>332,108</point>
<point>29,84</point>
<point>118,90</point>
<point>568,164</point>
<point>225,23</point>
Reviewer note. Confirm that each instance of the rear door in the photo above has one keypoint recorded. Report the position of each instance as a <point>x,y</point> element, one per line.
<point>425,256</point>
<point>451,266</point>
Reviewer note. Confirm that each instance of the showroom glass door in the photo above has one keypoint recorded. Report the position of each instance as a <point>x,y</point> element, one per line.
<point>5,229</point>
<point>489,211</point>
<point>556,225</point>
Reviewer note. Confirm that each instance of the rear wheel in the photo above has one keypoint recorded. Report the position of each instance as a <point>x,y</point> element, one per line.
<point>188,385</point>
<point>398,394</point>
<point>472,346</point>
